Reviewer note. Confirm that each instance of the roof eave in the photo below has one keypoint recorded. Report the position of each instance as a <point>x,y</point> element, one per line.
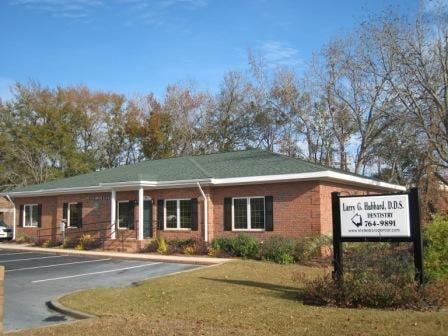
<point>327,175</point>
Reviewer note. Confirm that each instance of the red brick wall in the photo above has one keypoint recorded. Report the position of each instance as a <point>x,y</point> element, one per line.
<point>6,212</point>
<point>300,209</point>
<point>326,188</point>
<point>48,224</point>
<point>178,194</point>
<point>296,208</point>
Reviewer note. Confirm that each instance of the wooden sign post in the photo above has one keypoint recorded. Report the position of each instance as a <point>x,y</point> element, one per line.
<point>377,218</point>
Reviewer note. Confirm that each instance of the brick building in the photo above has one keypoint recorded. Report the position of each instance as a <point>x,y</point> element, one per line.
<point>203,197</point>
<point>6,211</point>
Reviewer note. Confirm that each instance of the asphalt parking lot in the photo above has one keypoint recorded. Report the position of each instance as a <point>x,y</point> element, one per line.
<point>32,279</point>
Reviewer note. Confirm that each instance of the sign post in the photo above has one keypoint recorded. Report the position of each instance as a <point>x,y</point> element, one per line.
<point>377,218</point>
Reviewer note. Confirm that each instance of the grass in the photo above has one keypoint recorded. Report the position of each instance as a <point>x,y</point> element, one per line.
<point>237,298</point>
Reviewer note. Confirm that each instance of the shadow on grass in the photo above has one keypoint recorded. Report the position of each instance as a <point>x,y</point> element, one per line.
<point>279,291</point>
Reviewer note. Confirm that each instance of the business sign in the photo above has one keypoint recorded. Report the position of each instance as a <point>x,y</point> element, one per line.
<point>375,216</point>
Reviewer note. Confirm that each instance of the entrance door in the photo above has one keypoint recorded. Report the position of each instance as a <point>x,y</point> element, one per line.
<point>147,219</point>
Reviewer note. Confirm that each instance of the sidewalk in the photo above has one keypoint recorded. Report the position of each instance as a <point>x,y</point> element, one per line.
<point>198,260</point>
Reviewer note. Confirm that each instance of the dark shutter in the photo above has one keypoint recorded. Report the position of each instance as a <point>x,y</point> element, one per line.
<point>20,224</point>
<point>39,215</point>
<point>65,212</point>
<point>227,214</point>
<point>79,215</point>
<point>269,213</point>
<point>194,214</point>
<point>160,204</point>
<point>131,215</point>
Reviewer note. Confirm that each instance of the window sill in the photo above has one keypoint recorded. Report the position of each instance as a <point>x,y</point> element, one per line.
<point>30,227</point>
<point>249,230</point>
<point>172,229</point>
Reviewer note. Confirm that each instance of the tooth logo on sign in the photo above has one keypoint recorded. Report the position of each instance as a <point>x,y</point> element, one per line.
<point>357,220</point>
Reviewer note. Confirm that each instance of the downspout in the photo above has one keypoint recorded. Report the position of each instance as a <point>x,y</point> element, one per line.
<point>205,212</point>
<point>13,217</point>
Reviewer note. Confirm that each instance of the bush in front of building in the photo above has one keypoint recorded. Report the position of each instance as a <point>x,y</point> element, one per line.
<point>243,245</point>
<point>278,249</point>
<point>376,275</point>
<point>435,236</point>
<point>87,242</point>
<point>307,248</point>
<point>161,246</point>
<point>23,239</point>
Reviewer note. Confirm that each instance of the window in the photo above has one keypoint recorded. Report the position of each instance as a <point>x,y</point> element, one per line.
<point>248,213</point>
<point>31,215</point>
<point>178,214</point>
<point>73,214</point>
<point>123,214</point>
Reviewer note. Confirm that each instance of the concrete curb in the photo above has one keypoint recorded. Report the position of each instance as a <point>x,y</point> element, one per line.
<point>60,308</point>
<point>121,255</point>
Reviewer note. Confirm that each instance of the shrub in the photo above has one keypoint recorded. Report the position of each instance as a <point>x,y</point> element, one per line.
<point>378,276</point>
<point>223,244</point>
<point>311,247</point>
<point>278,249</point>
<point>48,243</point>
<point>23,239</point>
<point>87,242</point>
<point>436,248</point>
<point>365,289</point>
<point>162,246</point>
<point>243,245</point>
<point>70,243</point>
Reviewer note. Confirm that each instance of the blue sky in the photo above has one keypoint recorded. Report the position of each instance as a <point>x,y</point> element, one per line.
<point>141,46</point>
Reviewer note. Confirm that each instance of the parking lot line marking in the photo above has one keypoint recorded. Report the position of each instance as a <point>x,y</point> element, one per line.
<point>57,256</point>
<point>5,254</point>
<point>56,265</point>
<point>93,273</point>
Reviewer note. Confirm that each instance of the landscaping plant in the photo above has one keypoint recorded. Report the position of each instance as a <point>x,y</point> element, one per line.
<point>435,240</point>
<point>278,249</point>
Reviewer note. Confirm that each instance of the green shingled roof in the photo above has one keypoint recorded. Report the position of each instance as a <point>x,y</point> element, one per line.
<point>221,165</point>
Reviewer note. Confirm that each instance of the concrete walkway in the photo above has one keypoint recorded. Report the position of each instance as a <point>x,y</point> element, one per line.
<point>198,260</point>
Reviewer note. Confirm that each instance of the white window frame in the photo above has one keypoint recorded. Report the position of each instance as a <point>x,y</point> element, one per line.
<point>177,228</point>
<point>68,215</point>
<point>248,214</point>
<point>24,224</point>
<point>118,215</point>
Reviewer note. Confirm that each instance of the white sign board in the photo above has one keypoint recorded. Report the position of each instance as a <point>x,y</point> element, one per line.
<point>375,216</point>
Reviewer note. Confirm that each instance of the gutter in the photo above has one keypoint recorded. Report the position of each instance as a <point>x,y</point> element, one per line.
<point>205,212</point>
<point>13,216</point>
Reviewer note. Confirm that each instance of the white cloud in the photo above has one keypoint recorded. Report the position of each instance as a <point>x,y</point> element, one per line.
<point>276,53</point>
<point>155,12</point>
<point>70,9</point>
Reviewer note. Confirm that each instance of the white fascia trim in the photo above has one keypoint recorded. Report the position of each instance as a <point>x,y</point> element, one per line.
<point>323,175</point>
<point>327,175</point>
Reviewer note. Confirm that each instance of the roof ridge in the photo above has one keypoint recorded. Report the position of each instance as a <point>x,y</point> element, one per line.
<point>203,170</point>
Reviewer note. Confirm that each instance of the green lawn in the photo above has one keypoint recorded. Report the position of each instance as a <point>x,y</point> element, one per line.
<point>237,298</point>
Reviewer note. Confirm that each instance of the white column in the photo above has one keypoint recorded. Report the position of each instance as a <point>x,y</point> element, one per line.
<point>113,213</point>
<point>140,213</point>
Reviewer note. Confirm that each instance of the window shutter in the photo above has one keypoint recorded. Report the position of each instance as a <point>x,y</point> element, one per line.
<point>160,204</point>
<point>79,213</point>
<point>39,215</point>
<point>64,212</point>
<point>269,213</point>
<point>227,214</point>
<point>194,214</point>
<point>20,224</point>
<point>131,215</point>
